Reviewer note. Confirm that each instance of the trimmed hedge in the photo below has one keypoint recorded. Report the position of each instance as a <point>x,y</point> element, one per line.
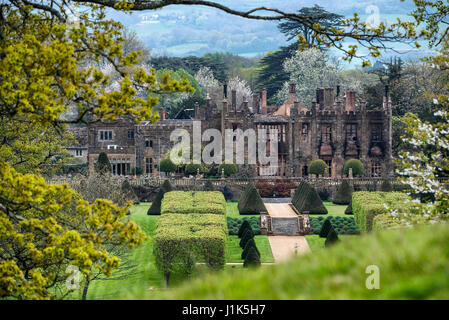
<point>306,199</point>
<point>344,194</point>
<point>251,202</point>
<point>342,225</point>
<point>348,210</point>
<point>252,258</point>
<point>367,205</point>
<point>250,244</point>
<point>247,235</point>
<point>331,238</point>
<point>184,202</point>
<point>325,228</point>
<point>155,208</point>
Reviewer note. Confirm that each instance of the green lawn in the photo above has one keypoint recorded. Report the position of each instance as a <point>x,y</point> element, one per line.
<point>234,252</point>
<point>335,209</point>
<point>316,243</point>
<point>232,210</point>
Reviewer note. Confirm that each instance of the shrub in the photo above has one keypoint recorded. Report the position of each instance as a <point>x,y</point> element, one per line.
<point>349,208</point>
<point>332,238</point>
<point>103,165</point>
<point>366,205</point>
<point>243,227</point>
<point>251,202</point>
<point>227,193</point>
<point>193,168</point>
<point>166,165</point>
<point>357,167</point>
<point>317,167</point>
<point>324,195</point>
<point>155,208</point>
<point>167,186</point>
<point>234,225</point>
<point>252,258</point>
<point>208,186</point>
<point>184,202</point>
<point>327,225</point>
<point>386,186</point>
<point>342,225</point>
<point>307,200</point>
<point>248,234</point>
<point>265,189</point>
<point>250,244</point>
<point>229,169</point>
<point>344,194</point>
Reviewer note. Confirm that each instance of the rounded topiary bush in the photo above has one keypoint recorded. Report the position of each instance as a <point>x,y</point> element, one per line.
<point>357,167</point>
<point>193,169</point>
<point>317,167</point>
<point>166,165</point>
<point>228,168</point>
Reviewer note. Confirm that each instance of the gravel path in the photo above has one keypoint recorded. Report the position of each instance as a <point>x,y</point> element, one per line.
<point>284,248</point>
<point>280,210</point>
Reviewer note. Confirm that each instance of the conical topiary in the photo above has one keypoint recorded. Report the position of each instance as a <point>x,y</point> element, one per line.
<point>251,202</point>
<point>349,208</point>
<point>252,258</point>
<point>208,186</point>
<point>103,165</point>
<point>155,208</point>
<point>332,238</point>
<point>250,244</point>
<point>247,235</point>
<point>243,227</point>
<point>167,186</point>
<point>344,194</point>
<point>325,228</point>
<point>308,200</point>
<point>386,186</point>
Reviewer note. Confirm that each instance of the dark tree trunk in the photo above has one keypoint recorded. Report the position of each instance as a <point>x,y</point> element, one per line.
<point>166,279</point>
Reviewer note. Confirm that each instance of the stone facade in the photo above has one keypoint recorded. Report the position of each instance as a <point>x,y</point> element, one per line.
<point>334,129</point>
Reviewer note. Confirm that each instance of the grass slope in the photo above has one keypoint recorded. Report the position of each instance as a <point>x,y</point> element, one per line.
<point>413,265</point>
<point>234,252</point>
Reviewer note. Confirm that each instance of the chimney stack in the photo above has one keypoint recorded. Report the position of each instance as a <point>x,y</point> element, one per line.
<point>328,97</point>
<point>197,111</point>
<point>320,97</point>
<point>245,105</point>
<point>162,113</point>
<point>234,100</point>
<point>255,103</point>
<point>208,110</point>
<point>350,101</point>
<point>225,91</point>
<point>292,93</point>
<point>264,102</point>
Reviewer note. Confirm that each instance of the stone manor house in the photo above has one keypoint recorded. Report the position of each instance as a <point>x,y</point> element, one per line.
<point>334,128</point>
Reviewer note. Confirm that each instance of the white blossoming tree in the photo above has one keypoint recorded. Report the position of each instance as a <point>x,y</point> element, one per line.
<point>206,80</point>
<point>242,89</point>
<point>309,69</point>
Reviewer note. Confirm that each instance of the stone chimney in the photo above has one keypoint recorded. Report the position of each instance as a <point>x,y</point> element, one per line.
<point>234,100</point>
<point>320,97</point>
<point>350,101</point>
<point>161,114</point>
<point>328,98</point>
<point>255,103</point>
<point>197,111</point>
<point>245,105</point>
<point>292,93</point>
<point>264,102</point>
<point>208,107</point>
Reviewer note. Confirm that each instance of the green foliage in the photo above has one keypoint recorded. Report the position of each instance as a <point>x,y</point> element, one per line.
<point>247,235</point>
<point>342,225</point>
<point>367,205</point>
<point>243,227</point>
<point>167,186</point>
<point>317,167</point>
<point>155,208</point>
<point>327,225</point>
<point>103,165</point>
<point>252,258</point>
<point>182,240</point>
<point>193,169</point>
<point>349,208</point>
<point>331,238</point>
<point>251,202</point>
<point>208,186</point>
<point>386,186</point>
<point>166,165</point>
<point>344,194</point>
<point>307,200</point>
<point>402,277</point>
<point>249,244</point>
<point>357,167</point>
<point>235,225</point>
<point>229,169</point>
<point>201,202</point>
